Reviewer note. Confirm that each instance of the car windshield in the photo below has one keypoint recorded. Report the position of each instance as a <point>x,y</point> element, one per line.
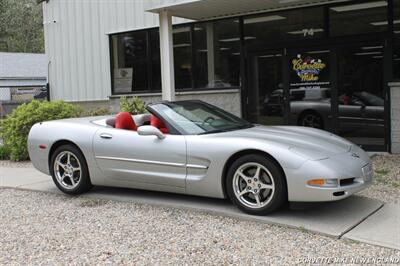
<point>196,117</point>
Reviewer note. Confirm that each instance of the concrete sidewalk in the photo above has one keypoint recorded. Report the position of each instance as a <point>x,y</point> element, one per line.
<point>358,218</point>
<point>382,228</point>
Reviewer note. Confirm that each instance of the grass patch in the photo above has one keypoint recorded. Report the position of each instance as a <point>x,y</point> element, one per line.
<point>352,241</point>
<point>382,172</point>
<point>302,229</point>
<point>382,176</point>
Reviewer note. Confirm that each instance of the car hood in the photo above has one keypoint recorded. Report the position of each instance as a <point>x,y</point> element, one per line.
<point>313,144</point>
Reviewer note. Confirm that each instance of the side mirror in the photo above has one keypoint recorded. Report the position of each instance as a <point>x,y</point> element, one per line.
<point>150,131</point>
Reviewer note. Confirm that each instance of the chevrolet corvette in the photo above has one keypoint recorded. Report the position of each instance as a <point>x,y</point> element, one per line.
<point>195,148</point>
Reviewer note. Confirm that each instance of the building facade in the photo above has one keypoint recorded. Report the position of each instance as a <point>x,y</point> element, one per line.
<point>23,77</point>
<point>326,64</point>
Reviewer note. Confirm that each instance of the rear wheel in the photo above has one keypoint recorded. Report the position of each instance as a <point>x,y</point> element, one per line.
<point>69,170</point>
<point>256,185</point>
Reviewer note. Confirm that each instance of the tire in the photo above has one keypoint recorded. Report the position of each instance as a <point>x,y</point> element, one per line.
<point>311,119</point>
<point>270,175</point>
<point>61,170</point>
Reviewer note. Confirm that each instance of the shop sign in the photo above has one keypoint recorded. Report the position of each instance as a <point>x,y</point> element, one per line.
<point>307,68</point>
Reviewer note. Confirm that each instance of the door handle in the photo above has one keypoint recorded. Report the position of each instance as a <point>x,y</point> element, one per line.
<point>105,136</point>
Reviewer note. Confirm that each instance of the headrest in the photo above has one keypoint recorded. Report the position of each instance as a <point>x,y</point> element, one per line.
<point>156,122</point>
<point>110,122</point>
<point>124,120</point>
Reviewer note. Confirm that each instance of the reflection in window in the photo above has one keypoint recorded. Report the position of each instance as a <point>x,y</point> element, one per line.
<point>361,94</point>
<point>182,57</point>
<point>358,18</point>
<point>289,25</point>
<point>129,52</point>
<point>217,54</point>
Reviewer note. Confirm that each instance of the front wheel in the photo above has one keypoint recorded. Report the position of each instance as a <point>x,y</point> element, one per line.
<point>311,119</point>
<point>69,170</point>
<point>256,185</point>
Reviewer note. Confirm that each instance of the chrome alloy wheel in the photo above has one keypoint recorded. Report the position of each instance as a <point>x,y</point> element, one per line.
<point>67,169</point>
<point>253,185</point>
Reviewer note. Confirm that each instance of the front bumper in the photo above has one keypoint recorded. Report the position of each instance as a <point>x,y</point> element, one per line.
<point>353,173</point>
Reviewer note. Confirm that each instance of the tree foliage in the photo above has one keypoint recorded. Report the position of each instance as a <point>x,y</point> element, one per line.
<point>21,26</point>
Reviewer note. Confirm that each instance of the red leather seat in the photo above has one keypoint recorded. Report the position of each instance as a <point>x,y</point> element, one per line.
<point>124,120</point>
<point>156,122</point>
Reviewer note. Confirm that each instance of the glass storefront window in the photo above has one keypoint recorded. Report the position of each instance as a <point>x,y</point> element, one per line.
<point>155,60</point>
<point>129,53</point>
<point>396,18</point>
<point>396,32</point>
<point>264,30</point>
<point>358,18</point>
<point>396,61</point>
<point>182,57</point>
<point>217,54</point>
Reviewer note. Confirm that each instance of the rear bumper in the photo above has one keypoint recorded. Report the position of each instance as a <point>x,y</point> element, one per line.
<point>340,167</point>
<point>39,157</point>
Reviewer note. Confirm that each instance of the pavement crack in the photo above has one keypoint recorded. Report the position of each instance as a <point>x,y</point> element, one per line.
<point>362,220</point>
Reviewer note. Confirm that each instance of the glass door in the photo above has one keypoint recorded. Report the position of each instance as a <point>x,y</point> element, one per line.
<point>265,90</point>
<point>361,94</point>
<point>310,88</point>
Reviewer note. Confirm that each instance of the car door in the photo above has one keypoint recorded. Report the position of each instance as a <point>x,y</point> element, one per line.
<point>124,154</point>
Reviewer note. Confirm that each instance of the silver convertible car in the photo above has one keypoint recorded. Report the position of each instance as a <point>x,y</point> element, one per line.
<point>195,148</point>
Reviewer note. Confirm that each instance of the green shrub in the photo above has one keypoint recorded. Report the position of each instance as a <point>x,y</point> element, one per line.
<point>133,105</point>
<point>15,128</point>
<point>4,152</point>
<point>96,112</point>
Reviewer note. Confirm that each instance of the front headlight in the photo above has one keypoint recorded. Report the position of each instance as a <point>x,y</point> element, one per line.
<point>308,154</point>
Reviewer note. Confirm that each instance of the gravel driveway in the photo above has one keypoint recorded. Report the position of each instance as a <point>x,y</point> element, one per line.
<point>386,182</point>
<point>40,228</point>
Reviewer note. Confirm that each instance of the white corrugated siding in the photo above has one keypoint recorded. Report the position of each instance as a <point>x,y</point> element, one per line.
<point>77,43</point>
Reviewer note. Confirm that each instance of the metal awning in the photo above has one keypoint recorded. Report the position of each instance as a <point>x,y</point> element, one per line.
<point>212,9</point>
